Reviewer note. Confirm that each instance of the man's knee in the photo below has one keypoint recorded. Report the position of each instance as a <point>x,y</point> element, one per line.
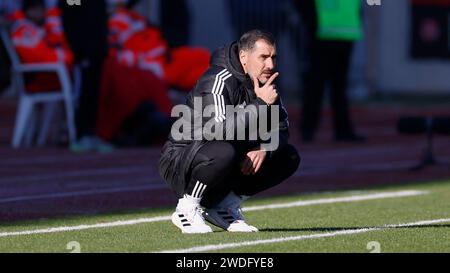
<point>220,154</point>
<point>225,153</point>
<point>290,158</point>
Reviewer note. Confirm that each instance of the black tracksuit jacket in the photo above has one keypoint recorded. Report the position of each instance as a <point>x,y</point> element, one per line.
<point>224,83</point>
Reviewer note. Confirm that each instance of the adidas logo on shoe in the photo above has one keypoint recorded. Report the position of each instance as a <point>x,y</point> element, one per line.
<point>188,217</point>
<point>228,215</point>
<point>189,226</point>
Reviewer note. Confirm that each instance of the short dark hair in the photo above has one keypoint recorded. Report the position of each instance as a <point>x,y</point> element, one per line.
<point>249,39</point>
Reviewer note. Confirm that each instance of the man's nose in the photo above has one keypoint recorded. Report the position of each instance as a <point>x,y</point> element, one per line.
<point>270,64</point>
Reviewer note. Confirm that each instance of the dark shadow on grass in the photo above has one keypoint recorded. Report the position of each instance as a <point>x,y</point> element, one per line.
<point>328,229</point>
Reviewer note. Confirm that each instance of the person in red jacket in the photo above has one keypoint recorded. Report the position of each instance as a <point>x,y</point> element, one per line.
<point>145,47</point>
<point>32,42</point>
<point>54,28</point>
<point>136,44</point>
<point>134,106</point>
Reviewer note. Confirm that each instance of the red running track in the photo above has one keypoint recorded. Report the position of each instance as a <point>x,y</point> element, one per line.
<point>52,182</point>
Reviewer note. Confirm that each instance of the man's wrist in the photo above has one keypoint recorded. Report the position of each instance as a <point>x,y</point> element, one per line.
<point>262,102</point>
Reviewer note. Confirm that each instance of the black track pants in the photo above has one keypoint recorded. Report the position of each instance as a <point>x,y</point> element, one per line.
<point>215,171</point>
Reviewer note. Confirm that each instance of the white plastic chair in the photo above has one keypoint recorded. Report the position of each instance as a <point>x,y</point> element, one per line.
<point>27,102</point>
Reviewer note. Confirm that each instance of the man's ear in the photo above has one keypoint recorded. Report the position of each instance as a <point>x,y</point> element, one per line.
<point>243,56</point>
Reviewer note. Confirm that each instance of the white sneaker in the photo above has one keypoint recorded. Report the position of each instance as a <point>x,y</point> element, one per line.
<point>188,217</point>
<point>228,215</point>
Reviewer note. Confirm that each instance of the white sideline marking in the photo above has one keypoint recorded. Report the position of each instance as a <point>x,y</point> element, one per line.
<point>353,198</point>
<point>302,237</point>
<point>83,227</point>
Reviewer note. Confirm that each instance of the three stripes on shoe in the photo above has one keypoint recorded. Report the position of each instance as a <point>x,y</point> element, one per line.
<point>184,221</point>
<point>226,216</point>
<point>199,189</point>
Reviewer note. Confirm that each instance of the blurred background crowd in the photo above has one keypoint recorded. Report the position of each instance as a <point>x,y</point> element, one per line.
<point>128,62</point>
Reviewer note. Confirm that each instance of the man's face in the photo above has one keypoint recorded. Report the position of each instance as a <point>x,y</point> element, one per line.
<point>36,14</point>
<point>260,61</point>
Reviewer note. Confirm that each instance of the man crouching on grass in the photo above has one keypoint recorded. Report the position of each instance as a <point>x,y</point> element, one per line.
<point>219,174</point>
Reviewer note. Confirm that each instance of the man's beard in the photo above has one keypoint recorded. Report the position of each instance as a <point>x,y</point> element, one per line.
<point>267,73</point>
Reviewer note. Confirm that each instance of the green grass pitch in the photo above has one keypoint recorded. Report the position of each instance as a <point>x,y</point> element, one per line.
<point>274,224</point>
